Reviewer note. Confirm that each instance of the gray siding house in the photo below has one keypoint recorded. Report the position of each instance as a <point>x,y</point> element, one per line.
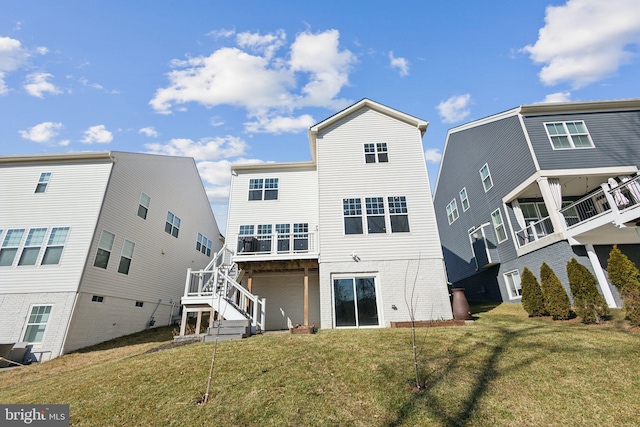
<point>539,183</point>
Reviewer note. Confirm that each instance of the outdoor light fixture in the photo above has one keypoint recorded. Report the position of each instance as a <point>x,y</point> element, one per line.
<point>355,257</point>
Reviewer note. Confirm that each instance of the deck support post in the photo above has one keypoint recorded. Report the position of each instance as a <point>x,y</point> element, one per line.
<point>306,295</point>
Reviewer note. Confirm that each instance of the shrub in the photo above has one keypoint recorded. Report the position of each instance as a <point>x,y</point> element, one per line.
<point>532,297</point>
<point>555,297</point>
<point>587,301</point>
<point>624,275</point>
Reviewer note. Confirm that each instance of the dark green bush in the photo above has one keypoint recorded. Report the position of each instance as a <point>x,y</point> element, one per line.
<point>532,297</point>
<point>555,297</point>
<point>624,275</point>
<point>588,304</point>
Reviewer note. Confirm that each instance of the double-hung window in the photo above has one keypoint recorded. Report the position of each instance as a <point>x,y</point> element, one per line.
<point>498,225</point>
<point>464,199</point>
<point>36,324</point>
<point>43,182</point>
<point>283,234</point>
<point>32,246</point>
<point>398,214</point>
<point>568,135</point>
<point>352,211</point>
<point>452,211</point>
<point>55,245</point>
<point>126,256</point>
<point>105,245</point>
<point>376,152</point>
<point>375,215</point>
<point>485,176</point>
<point>263,189</point>
<point>10,246</point>
<point>203,245</point>
<point>143,206</point>
<point>264,237</point>
<point>172,226</point>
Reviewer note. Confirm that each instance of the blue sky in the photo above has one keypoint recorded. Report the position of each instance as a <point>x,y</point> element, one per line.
<point>241,81</point>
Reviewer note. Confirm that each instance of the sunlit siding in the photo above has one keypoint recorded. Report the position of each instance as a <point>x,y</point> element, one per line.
<point>343,173</point>
<point>160,261</point>
<point>72,199</point>
<point>297,199</point>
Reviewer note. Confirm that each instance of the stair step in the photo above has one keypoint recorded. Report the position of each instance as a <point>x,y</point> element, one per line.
<point>235,330</point>
<point>212,338</point>
<point>231,323</point>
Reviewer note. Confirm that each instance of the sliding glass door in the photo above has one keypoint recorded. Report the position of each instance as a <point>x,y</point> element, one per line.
<point>355,302</point>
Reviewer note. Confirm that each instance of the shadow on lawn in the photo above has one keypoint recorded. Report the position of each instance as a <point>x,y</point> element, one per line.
<point>488,372</point>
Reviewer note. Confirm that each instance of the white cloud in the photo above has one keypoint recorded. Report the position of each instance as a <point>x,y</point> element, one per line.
<point>280,124</point>
<point>455,108</point>
<point>42,132</point>
<point>432,155</point>
<point>3,87</point>
<point>558,97</point>
<point>41,50</point>
<point>64,143</point>
<point>37,85</point>
<point>222,33</point>
<point>261,82</point>
<point>97,134</point>
<point>216,121</point>
<point>205,149</point>
<point>149,131</point>
<point>400,63</point>
<point>585,41</point>
<point>12,54</point>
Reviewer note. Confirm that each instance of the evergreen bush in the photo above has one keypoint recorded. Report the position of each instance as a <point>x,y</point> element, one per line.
<point>556,300</point>
<point>587,301</point>
<point>624,275</point>
<point>532,298</point>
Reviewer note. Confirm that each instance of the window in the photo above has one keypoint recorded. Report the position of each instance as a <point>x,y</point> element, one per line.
<point>464,200</point>
<point>36,324</point>
<point>355,302</point>
<point>283,234</point>
<point>43,182</point>
<point>301,237</point>
<point>143,207</point>
<point>97,298</point>
<point>452,211</point>
<point>398,214</point>
<point>172,226</point>
<point>263,189</point>
<point>32,246</point>
<point>139,304</point>
<point>376,153</point>
<point>512,279</point>
<point>104,249</point>
<point>10,246</point>
<point>125,257</point>
<point>498,224</point>
<point>375,215</point>
<point>485,175</point>
<point>352,210</point>
<point>203,244</point>
<point>57,239</point>
<point>568,135</point>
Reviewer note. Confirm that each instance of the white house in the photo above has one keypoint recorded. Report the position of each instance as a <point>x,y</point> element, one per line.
<point>348,239</point>
<point>94,245</point>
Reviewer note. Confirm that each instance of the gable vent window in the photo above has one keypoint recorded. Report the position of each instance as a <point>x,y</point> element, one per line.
<point>376,153</point>
<point>43,182</point>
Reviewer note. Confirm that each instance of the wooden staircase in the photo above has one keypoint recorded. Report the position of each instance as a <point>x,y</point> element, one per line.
<point>226,330</point>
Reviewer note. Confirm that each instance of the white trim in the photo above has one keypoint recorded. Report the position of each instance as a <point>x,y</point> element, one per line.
<point>529,144</point>
<point>600,276</point>
<point>568,135</point>
<point>510,272</point>
<point>26,322</point>
<point>466,197</point>
<point>376,283</point>
<point>488,176</point>
<point>506,235</point>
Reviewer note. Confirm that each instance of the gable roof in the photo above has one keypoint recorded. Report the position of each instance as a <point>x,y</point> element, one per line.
<point>363,103</point>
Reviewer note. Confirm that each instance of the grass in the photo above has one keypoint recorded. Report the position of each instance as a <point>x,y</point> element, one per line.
<point>503,370</point>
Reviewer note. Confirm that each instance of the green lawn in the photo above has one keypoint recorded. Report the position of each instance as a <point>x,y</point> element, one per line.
<point>503,370</point>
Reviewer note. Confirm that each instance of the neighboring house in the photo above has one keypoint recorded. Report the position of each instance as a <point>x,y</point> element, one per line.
<point>94,245</point>
<point>539,183</point>
<point>344,240</point>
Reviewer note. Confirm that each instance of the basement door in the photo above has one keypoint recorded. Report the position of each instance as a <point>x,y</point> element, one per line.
<point>355,302</point>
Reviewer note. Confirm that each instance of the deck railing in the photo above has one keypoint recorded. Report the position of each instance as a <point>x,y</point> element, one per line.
<point>534,231</point>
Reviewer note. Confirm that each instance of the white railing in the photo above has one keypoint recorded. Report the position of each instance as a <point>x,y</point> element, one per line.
<point>602,201</point>
<point>218,280</point>
<point>534,231</point>
<point>276,244</point>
